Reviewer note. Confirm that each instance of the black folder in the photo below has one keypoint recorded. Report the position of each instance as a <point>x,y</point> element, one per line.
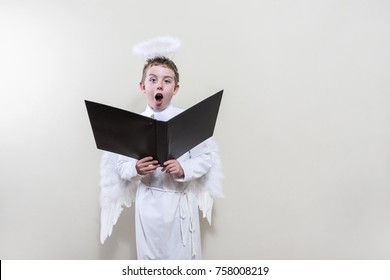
<point>136,136</point>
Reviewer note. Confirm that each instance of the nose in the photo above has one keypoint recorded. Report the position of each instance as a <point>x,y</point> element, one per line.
<point>160,85</point>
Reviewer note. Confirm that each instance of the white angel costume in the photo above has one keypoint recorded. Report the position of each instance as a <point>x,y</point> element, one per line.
<point>167,217</point>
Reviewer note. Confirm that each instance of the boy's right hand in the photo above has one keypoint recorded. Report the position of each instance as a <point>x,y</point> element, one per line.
<point>146,166</point>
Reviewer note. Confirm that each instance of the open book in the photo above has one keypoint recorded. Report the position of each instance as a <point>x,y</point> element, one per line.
<point>136,136</point>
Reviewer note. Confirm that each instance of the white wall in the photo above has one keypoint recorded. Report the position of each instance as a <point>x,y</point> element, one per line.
<point>304,128</point>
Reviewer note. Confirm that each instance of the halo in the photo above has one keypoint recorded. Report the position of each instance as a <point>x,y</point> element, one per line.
<point>160,46</point>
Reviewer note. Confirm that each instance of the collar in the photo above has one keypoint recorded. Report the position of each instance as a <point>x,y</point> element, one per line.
<point>163,115</point>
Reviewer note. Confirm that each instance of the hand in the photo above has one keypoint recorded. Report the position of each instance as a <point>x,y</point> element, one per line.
<point>146,166</point>
<point>174,168</point>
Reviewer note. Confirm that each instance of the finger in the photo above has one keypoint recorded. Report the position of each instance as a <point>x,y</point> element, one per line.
<point>145,159</point>
<point>167,165</point>
<point>149,169</point>
<point>146,165</point>
<point>168,168</point>
<point>172,169</point>
<point>171,161</point>
<point>150,163</point>
<point>154,162</point>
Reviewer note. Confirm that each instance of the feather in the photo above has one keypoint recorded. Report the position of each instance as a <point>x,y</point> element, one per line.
<point>115,193</point>
<point>209,186</point>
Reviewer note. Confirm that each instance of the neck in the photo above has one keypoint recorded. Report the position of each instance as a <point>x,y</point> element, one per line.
<point>158,111</point>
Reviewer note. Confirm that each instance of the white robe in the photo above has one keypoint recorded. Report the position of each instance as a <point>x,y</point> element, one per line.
<point>167,219</point>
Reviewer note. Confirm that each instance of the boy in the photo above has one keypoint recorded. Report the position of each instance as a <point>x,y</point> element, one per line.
<point>166,197</point>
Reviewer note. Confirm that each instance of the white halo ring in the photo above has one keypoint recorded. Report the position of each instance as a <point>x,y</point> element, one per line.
<point>161,46</point>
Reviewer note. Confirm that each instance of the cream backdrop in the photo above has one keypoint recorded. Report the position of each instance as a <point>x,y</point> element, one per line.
<point>304,128</point>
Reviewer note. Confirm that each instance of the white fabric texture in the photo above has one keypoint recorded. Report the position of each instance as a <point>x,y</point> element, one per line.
<point>167,219</point>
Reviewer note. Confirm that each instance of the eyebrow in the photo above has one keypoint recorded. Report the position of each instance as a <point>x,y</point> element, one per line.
<point>164,77</point>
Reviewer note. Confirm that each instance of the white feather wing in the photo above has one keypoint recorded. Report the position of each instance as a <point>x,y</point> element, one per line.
<point>115,193</point>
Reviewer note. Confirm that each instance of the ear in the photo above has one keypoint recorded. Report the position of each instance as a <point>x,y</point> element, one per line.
<point>176,89</point>
<point>142,86</point>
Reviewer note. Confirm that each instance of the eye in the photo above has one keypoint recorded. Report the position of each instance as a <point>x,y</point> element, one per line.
<point>167,81</point>
<point>153,80</point>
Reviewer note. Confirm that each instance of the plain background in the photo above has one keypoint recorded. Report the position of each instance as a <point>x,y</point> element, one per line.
<point>304,127</point>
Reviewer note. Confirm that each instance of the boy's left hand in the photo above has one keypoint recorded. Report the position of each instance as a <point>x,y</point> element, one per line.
<point>174,168</point>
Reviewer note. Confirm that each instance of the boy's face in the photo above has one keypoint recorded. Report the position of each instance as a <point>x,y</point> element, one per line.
<point>159,87</point>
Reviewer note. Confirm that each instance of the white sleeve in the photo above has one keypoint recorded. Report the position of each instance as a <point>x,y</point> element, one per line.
<point>195,166</point>
<point>126,168</point>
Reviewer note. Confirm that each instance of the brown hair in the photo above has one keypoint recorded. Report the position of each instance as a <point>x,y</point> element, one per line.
<point>163,61</point>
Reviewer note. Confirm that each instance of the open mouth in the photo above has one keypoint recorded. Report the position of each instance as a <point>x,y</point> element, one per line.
<point>158,97</point>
